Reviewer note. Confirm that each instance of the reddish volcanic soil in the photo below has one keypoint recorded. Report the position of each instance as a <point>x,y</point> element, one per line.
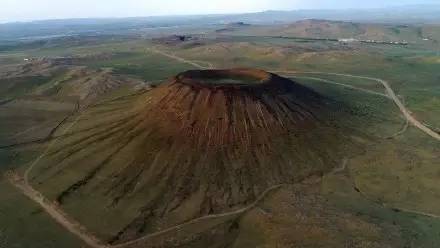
<point>220,115</point>
<point>205,142</point>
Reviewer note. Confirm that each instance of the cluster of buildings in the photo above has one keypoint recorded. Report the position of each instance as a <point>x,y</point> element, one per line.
<point>352,40</point>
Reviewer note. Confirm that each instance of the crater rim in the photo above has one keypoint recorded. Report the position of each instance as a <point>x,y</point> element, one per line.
<point>225,78</point>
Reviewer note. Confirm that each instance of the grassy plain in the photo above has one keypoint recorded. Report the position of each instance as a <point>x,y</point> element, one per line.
<point>381,189</point>
<point>22,222</point>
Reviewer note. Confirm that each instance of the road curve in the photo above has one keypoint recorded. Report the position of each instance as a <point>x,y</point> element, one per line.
<point>346,86</point>
<point>81,232</point>
<point>406,113</point>
<point>23,184</point>
<point>144,239</point>
<point>53,211</point>
<point>75,228</point>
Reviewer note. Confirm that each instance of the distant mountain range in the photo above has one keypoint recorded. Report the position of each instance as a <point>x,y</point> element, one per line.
<point>410,14</point>
<point>403,14</point>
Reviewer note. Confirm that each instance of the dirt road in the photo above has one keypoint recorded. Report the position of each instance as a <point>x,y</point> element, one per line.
<point>406,113</point>
<point>81,232</point>
<point>346,86</point>
<point>57,214</point>
<point>180,59</point>
<point>75,228</point>
<point>144,239</point>
<point>22,183</point>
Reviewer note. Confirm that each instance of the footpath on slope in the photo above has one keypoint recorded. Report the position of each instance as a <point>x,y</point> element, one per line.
<point>62,218</point>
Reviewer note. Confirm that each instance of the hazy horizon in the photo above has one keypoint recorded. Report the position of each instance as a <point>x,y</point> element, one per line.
<point>28,10</point>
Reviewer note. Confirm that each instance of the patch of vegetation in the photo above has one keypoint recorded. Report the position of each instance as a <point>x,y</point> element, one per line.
<point>396,168</point>
<point>24,224</point>
<point>145,65</point>
<point>14,87</point>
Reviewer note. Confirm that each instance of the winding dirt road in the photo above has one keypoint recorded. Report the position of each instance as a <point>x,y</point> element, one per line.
<point>406,113</point>
<point>22,184</point>
<point>346,86</point>
<point>145,239</point>
<point>53,211</point>
<point>80,231</point>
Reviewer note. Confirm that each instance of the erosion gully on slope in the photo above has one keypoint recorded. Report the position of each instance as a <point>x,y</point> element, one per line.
<point>58,215</point>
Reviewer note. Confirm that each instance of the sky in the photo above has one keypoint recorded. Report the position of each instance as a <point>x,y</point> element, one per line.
<point>26,10</point>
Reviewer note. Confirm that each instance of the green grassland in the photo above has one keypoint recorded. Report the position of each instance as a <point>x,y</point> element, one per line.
<point>143,64</point>
<point>23,224</point>
<point>12,88</point>
<point>412,71</point>
<point>369,112</point>
<point>399,172</point>
<point>416,230</point>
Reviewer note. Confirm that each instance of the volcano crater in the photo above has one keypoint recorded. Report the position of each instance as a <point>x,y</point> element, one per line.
<point>206,141</point>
